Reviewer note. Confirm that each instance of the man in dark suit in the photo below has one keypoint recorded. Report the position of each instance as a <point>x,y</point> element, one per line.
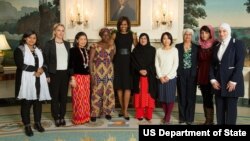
<point>124,10</point>
<point>226,75</point>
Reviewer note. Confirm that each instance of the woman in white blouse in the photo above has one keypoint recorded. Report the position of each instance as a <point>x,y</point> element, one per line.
<point>166,63</point>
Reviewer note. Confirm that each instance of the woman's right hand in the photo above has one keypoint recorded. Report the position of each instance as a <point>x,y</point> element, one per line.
<point>94,45</point>
<point>216,85</point>
<point>73,83</point>
<point>162,79</point>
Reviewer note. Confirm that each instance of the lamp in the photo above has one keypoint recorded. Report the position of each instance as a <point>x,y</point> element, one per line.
<point>77,19</point>
<point>163,17</point>
<point>3,46</point>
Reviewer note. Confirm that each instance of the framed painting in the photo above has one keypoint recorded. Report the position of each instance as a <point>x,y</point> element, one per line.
<point>114,9</point>
<point>17,17</point>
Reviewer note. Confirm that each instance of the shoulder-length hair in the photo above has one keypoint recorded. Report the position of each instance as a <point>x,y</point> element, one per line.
<point>119,22</point>
<point>28,34</point>
<point>78,35</point>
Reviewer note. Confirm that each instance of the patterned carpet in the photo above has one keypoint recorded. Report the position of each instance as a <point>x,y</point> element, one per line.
<point>118,129</point>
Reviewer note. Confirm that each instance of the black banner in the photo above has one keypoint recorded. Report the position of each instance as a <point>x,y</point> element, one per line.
<point>176,131</point>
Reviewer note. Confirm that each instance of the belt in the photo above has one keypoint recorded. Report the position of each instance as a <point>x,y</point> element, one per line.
<point>124,51</point>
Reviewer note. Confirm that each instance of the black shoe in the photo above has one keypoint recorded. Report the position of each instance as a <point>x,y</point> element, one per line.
<point>63,122</point>
<point>28,131</point>
<point>93,119</point>
<point>120,115</point>
<point>127,118</point>
<point>108,117</point>
<point>57,123</point>
<point>189,123</point>
<point>39,127</point>
<point>181,122</point>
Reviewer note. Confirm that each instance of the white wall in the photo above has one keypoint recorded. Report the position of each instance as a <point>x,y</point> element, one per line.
<point>96,9</point>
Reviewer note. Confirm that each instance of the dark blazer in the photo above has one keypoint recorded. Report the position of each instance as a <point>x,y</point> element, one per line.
<point>49,52</point>
<point>229,68</point>
<point>194,52</point>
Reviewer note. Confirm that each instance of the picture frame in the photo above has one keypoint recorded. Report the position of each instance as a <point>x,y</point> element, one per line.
<point>130,8</point>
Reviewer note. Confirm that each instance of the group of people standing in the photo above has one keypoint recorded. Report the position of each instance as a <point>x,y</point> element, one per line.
<point>111,66</point>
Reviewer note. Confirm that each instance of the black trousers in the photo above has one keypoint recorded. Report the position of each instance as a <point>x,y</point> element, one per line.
<point>58,90</point>
<point>226,110</point>
<point>25,111</point>
<point>186,89</point>
<point>207,95</point>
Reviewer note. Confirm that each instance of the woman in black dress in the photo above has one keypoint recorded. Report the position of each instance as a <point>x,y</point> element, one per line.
<point>124,39</point>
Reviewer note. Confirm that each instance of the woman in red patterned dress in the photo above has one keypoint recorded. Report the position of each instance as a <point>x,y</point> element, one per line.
<point>80,79</point>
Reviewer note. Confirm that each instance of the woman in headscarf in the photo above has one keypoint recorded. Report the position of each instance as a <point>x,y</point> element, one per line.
<point>207,42</point>
<point>144,82</point>
<point>166,62</point>
<point>102,75</point>
<point>226,75</point>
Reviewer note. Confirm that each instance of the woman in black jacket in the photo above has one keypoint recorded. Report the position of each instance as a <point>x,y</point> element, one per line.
<point>226,75</point>
<point>186,77</point>
<point>56,54</point>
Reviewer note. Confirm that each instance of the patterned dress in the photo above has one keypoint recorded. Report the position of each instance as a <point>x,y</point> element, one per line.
<point>80,99</point>
<point>102,99</point>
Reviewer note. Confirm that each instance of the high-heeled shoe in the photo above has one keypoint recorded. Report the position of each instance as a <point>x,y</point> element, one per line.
<point>120,115</point>
<point>126,117</point>
<point>93,119</point>
<point>28,131</point>
<point>57,123</point>
<point>39,127</point>
<point>108,117</point>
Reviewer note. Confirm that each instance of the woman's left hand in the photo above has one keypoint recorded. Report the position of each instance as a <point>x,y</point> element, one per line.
<point>231,86</point>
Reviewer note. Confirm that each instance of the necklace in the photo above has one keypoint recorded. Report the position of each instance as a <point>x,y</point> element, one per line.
<point>85,61</point>
<point>58,42</point>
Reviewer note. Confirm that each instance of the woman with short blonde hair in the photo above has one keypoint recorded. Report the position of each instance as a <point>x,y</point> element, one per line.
<point>56,54</point>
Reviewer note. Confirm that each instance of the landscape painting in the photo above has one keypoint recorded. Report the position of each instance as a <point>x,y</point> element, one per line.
<point>18,16</point>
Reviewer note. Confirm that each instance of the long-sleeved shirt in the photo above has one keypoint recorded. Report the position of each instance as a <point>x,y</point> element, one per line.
<point>166,62</point>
